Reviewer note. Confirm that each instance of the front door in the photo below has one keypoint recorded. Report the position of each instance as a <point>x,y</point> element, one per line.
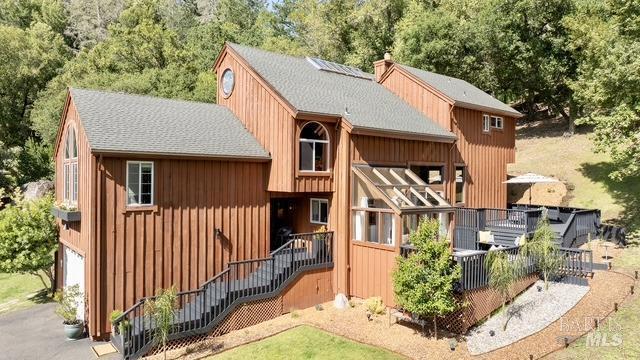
<point>282,220</point>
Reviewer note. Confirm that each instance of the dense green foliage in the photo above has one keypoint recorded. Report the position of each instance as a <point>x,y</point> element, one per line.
<point>543,249</point>
<point>28,238</point>
<point>575,57</point>
<point>423,282</point>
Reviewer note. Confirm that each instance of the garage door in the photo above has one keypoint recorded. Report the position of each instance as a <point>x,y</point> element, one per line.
<point>74,274</point>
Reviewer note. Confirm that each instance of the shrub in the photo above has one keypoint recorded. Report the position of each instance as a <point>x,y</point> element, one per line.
<point>68,300</point>
<point>423,282</point>
<point>28,238</point>
<point>375,305</point>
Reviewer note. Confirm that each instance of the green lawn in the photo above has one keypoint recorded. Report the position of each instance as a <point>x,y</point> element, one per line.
<point>305,342</point>
<point>18,291</point>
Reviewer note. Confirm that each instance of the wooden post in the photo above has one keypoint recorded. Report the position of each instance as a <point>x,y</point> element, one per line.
<point>615,306</point>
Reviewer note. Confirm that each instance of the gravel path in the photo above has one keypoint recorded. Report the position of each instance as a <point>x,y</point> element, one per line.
<point>531,312</point>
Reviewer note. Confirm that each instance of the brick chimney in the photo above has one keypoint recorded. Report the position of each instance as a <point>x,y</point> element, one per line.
<point>381,66</point>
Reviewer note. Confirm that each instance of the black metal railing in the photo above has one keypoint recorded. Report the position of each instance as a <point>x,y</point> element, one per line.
<point>199,311</point>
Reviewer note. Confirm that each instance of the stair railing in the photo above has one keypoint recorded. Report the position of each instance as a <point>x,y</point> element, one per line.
<point>199,310</point>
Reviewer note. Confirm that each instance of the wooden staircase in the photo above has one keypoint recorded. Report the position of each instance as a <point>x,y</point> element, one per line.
<point>200,311</point>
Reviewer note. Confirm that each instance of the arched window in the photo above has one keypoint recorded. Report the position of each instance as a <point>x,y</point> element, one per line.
<point>71,167</point>
<point>314,148</point>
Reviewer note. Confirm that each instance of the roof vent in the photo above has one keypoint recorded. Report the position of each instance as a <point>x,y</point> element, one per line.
<point>329,66</point>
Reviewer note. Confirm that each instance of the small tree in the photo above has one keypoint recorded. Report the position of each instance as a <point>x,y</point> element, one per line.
<point>544,250</point>
<point>503,273</point>
<point>161,311</point>
<point>28,238</point>
<point>423,282</point>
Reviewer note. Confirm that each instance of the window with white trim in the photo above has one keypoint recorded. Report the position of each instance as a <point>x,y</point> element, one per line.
<point>320,211</point>
<point>461,183</point>
<point>314,148</point>
<point>139,183</point>
<point>486,123</point>
<point>70,168</point>
<point>497,122</point>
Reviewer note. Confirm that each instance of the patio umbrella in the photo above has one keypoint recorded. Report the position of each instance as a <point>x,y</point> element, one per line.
<point>530,178</point>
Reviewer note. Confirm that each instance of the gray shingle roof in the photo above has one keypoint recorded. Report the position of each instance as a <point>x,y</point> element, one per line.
<point>123,123</point>
<point>461,92</point>
<point>363,102</point>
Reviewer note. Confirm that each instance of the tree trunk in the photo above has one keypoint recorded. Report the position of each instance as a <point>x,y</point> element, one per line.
<point>164,349</point>
<point>546,280</point>
<point>573,114</point>
<point>435,327</point>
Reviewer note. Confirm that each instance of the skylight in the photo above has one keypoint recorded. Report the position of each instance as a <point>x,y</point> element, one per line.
<point>329,66</point>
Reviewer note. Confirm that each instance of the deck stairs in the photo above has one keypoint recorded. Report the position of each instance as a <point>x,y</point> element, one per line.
<point>200,311</point>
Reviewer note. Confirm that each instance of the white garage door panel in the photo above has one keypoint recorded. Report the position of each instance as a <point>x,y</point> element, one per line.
<point>74,274</point>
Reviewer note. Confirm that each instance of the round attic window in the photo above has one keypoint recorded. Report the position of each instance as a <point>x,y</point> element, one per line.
<point>228,80</point>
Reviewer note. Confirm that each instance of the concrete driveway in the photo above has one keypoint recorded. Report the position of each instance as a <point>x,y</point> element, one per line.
<point>37,333</point>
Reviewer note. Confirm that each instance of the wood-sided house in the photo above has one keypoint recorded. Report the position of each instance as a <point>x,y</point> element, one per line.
<point>174,192</point>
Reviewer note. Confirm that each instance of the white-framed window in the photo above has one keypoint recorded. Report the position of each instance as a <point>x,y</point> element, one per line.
<point>70,168</point>
<point>139,183</point>
<point>497,122</point>
<point>461,183</point>
<point>314,148</point>
<point>320,211</point>
<point>486,123</point>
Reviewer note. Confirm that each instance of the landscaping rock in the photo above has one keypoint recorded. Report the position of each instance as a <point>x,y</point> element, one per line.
<point>341,302</point>
<point>37,189</point>
<point>529,313</point>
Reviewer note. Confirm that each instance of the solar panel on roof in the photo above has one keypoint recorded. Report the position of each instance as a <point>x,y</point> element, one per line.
<point>329,66</point>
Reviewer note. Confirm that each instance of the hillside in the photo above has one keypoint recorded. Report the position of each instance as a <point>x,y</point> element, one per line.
<point>542,149</point>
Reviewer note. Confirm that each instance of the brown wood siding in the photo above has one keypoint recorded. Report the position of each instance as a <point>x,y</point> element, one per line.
<point>265,116</point>
<point>432,105</point>
<point>486,157</point>
<point>340,211</point>
<point>309,289</point>
<point>371,269</point>
<point>173,242</point>
<point>76,235</point>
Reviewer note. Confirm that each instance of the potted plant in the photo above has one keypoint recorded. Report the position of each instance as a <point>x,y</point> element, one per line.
<point>68,300</point>
<point>122,326</point>
<point>65,212</point>
<point>318,241</point>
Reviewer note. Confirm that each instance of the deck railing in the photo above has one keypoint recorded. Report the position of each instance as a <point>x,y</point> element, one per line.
<point>199,310</point>
<point>576,261</point>
<point>517,220</point>
<point>475,273</point>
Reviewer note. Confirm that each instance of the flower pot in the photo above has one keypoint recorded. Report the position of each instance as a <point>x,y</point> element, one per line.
<point>73,331</point>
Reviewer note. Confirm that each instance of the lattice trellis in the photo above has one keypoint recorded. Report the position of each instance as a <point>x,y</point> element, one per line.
<point>245,315</point>
<point>478,304</point>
